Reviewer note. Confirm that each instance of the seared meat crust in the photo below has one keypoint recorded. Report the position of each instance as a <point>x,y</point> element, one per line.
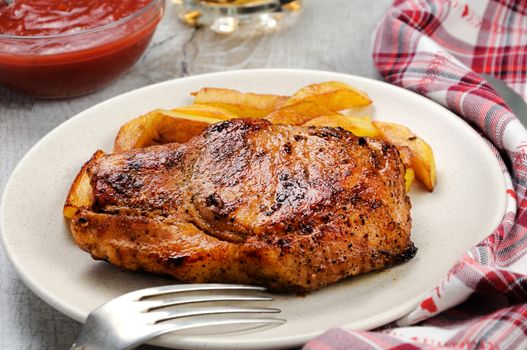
<point>291,208</point>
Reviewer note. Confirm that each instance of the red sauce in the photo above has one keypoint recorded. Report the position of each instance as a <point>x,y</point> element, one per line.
<point>51,48</point>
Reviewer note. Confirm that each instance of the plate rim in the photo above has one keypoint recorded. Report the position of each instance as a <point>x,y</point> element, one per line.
<point>287,341</point>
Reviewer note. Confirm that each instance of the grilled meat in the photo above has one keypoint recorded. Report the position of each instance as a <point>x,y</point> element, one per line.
<point>291,208</point>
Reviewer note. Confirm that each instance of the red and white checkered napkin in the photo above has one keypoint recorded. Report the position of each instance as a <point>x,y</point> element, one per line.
<point>437,48</point>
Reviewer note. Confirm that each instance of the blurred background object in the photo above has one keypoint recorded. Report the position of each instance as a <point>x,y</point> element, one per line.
<point>243,17</point>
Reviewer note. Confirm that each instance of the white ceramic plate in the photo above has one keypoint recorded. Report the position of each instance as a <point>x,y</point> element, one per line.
<point>466,206</point>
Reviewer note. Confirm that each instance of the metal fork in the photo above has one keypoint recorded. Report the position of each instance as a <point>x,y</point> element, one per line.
<point>133,318</point>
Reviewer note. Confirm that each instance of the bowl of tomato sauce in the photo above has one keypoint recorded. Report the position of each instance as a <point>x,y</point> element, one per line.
<point>61,49</point>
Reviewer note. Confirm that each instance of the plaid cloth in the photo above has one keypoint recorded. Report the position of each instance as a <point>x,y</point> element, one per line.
<point>437,48</point>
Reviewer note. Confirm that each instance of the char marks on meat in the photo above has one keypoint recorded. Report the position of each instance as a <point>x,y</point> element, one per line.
<point>291,208</point>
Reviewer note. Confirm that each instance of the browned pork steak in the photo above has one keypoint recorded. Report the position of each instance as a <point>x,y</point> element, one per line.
<point>291,208</point>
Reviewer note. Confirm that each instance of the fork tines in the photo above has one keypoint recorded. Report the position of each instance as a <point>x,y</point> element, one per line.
<point>152,307</point>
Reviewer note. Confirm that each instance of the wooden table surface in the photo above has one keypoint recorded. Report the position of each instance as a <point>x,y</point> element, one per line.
<point>332,35</point>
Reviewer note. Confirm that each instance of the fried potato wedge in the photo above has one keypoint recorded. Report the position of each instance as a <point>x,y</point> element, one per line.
<point>313,105</point>
<point>200,110</point>
<point>422,158</point>
<point>359,126</point>
<point>406,155</point>
<point>80,194</point>
<point>334,95</point>
<point>409,178</point>
<point>244,105</point>
<point>159,127</point>
<point>299,113</point>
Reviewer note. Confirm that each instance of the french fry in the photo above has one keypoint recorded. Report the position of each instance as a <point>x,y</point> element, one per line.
<point>244,105</point>
<point>422,158</point>
<point>409,178</point>
<point>299,113</point>
<point>334,95</point>
<point>359,126</point>
<point>200,110</point>
<point>159,127</point>
<point>313,105</point>
<point>360,111</point>
<point>406,155</point>
<point>81,192</point>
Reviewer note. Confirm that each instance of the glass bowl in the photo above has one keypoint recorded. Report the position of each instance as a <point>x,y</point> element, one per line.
<point>68,65</point>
